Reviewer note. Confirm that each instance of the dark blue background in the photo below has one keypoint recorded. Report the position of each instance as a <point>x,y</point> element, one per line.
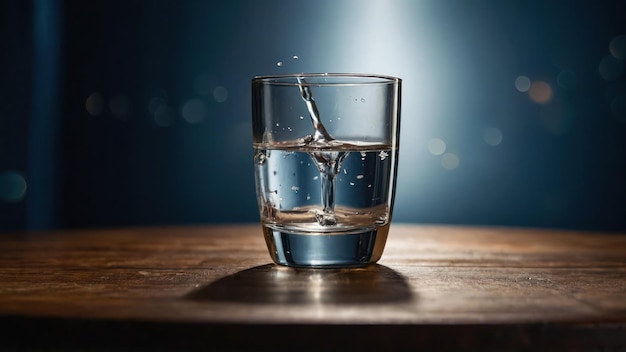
<point>116,113</point>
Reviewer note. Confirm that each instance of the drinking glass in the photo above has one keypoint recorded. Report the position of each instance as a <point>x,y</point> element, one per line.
<point>325,157</point>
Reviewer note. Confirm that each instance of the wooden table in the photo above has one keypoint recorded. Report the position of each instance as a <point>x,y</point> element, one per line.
<point>438,287</point>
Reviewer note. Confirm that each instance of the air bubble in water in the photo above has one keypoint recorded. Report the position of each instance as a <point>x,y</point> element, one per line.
<point>289,129</point>
<point>279,63</point>
<point>315,177</point>
<point>295,188</point>
<point>301,117</point>
<point>362,100</point>
<point>359,177</point>
<point>308,196</point>
<point>295,57</point>
<point>351,183</point>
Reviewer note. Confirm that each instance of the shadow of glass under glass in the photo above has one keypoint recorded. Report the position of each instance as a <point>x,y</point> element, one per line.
<point>272,284</point>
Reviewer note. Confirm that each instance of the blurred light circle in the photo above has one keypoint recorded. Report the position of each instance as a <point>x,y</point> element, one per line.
<point>95,104</point>
<point>164,116</point>
<point>220,94</point>
<point>119,106</point>
<point>450,161</point>
<point>193,111</point>
<point>617,47</point>
<point>436,146</point>
<point>522,83</point>
<point>610,68</point>
<point>557,117</point>
<point>566,79</point>
<point>540,92</point>
<point>12,186</point>
<point>492,136</point>
<point>155,103</point>
<point>618,107</point>
<point>204,84</point>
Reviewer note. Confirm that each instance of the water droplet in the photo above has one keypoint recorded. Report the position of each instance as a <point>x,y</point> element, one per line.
<point>369,186</point>
<point>295,188</point>
<point>359,177</point>
<point>277,124</point>
<point>289,129</point>
<point>308,196</point>
<point>295,57</point>
<point>301,117</point>
<point>351,183</point>
<point>362,100</point>
<point>345,171</point>
<point>279,63</point>
<point>363,154</point>
<point>274,172</point>
<point>315,177</point>
<point>383,155</point>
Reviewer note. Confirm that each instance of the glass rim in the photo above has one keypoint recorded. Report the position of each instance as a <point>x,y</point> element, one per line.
<point>321,79</point>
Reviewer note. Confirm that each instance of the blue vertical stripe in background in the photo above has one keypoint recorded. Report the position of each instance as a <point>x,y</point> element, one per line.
<point>44,159</point>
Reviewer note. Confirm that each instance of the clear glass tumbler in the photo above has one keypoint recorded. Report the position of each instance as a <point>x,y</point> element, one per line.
<point>325,155</point>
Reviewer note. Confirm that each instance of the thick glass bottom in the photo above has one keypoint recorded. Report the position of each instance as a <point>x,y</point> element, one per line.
<point>321,250</point>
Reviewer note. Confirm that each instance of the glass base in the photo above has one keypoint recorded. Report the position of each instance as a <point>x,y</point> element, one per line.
<point>321,250</point>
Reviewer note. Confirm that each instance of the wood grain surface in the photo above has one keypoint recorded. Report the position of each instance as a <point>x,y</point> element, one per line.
<point>477,280</point>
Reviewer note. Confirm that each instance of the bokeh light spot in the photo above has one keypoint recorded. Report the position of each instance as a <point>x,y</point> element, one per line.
<point>617,46</point>
<point>164,116</point>
<point>193,111</point>
<point>119,106</point>
<point>557,117</point>
<point>95,104</point>
<point>618,107</point>
<point>492,136</point>
<point>436,146</point>
<point>450,161</point>
<point>540,92</point>
<point>566,79</point>
<point>610,68</point>
<point>522,83</point>
<point>12,186</point>
<point>204,84</point>
<point>220,94</point>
